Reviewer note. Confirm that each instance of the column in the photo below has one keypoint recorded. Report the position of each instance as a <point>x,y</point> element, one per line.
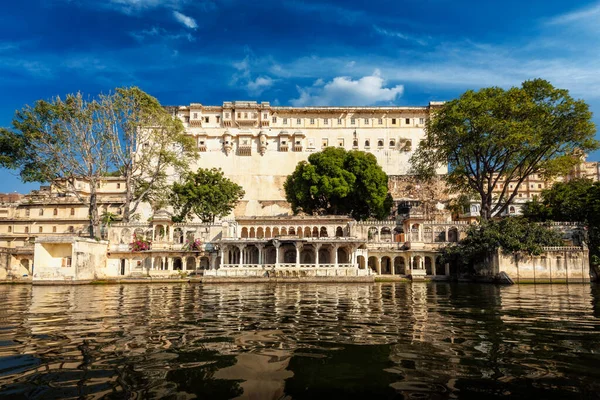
<point>393,265</point>
<point>242,248</point>
<point>411,266</point>
<point>151,262</point>
<point>378,265</point>
<point>317,247</point>
<point>298,246</point>
<point>223,254</point>
<point>261,249</point>
<point>276,243</point>
<point>335,255</point>
<point>447,269</point>
<point>213,260</point>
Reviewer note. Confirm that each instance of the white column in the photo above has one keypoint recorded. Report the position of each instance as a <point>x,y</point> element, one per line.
<point>335,255</point>
<point>317,247</point>
<point>276,244</point>
<point>298,246</point>
<point>242,248</point>
<point>261,249</point>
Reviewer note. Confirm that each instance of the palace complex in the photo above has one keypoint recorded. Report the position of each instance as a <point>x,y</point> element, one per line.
<point>257,146</point>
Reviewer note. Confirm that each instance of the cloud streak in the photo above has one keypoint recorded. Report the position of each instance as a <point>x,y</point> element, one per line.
<point>185,20</point>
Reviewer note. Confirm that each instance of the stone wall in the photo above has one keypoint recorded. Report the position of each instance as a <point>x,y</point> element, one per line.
<point>69,259</point>
<point>568,264</point>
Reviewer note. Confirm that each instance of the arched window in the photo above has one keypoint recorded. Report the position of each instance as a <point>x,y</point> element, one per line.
<point>380,143</point>
<point>511,210</point>
<point>55,212</point>
<point>72,211</point>
<point>392,143</point>
<point>367,143</point>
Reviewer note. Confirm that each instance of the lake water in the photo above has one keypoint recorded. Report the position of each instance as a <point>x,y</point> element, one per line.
<point>300,341</point>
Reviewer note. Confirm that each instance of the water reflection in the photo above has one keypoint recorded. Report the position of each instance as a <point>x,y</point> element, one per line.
<point>268,341</point>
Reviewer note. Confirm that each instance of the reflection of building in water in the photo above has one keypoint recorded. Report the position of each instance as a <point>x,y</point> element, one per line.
<point>263,371</point>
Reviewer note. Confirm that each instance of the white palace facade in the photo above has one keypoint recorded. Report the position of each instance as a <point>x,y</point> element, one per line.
<point>257,146</point>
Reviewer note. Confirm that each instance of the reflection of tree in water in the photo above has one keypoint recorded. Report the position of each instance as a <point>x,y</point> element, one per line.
<point>189,372</point>
<point>345,372</point>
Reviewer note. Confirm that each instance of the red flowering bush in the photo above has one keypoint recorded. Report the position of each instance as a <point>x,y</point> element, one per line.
<point>193,245</point>
<point>140,244</point>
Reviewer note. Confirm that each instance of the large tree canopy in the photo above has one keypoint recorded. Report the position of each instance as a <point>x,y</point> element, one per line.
<point>147,145</point>
<point>494,137</point>
<point>206,194</point>
<point>60,141</point>
<point>338,182</point>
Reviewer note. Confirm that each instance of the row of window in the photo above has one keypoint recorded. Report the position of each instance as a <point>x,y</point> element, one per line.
<point>70,229</point>
<point>312,121</point>
<point>41,212</point>
<point>55,212</point>
<point>352,121</point>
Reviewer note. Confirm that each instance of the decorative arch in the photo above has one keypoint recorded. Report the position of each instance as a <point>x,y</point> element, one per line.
<point>386,265</point>
<point>339,231</point>
<point>361,262</point>
<point>343,256</point>
<point>244,233</point>
<point>428,266</point>
<point>125,236</point>
<point>178,235</point>
<point>453,234</point>
<point>399,265</point>
<point>190,263</point>
<point>323,232</point>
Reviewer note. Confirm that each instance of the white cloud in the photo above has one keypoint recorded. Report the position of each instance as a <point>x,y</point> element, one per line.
<point>400,35</point>
<point>259,85</point>
<point>161,34</point>
<point>187,21</point>
<point>587,13</point>
<point>343,90</point>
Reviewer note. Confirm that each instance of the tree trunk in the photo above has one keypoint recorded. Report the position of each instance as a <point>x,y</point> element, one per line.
<point>93,210</point>
<point>486,208</point>
<point>128,190</point>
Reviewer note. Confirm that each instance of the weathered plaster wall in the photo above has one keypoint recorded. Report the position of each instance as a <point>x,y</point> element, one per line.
<point>557,264</point>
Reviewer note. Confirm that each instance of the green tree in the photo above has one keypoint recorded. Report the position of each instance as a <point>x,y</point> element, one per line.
<point>564,201</point>
<point>574,201</point>
<point>60,141</point>
<point>494,136</point>
<point>147,143</point>
<point>339,182</point>
<point>511,235</point>
<point>206,194</point>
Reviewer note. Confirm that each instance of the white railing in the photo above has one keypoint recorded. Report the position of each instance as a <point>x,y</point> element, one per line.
<point>286,266</point>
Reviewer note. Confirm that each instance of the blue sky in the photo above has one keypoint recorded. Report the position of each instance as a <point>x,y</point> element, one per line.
<point>401,52</point>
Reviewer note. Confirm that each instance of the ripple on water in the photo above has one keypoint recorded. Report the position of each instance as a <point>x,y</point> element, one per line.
<point>300,341</point>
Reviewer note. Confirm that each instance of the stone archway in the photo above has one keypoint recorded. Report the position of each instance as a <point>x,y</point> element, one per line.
<point>342,256</point>
<point>399,265</point>
<point>190,263</point>
<point>361,262</point>
<point>177,264</point>
<point>373,263</point>
<point>386,265</point>
<point>428,266</point>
